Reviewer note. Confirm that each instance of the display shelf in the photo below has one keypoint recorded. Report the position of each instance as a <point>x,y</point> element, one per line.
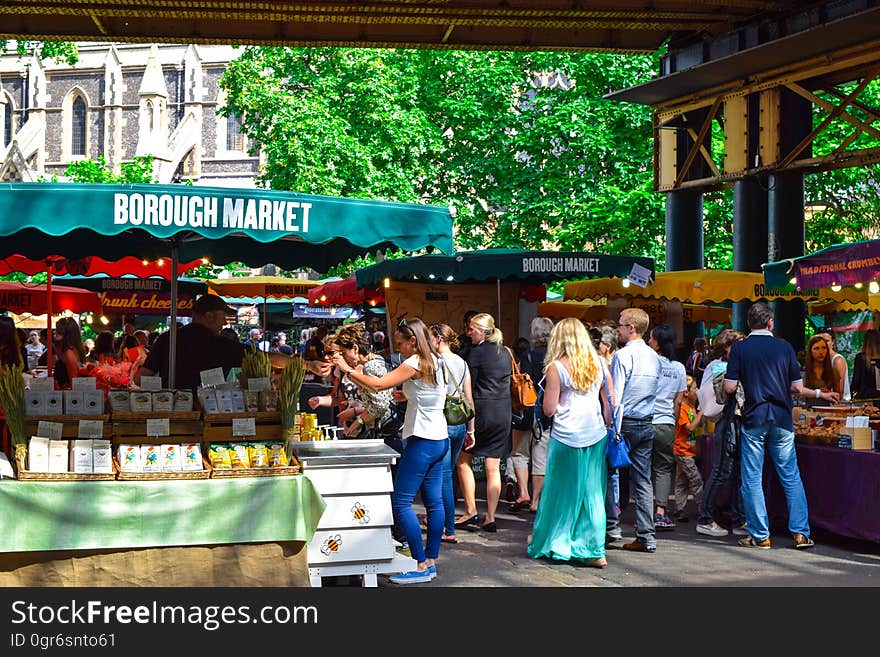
<point>131,427</point>
<point>218,426</point>
<point>70,422</point>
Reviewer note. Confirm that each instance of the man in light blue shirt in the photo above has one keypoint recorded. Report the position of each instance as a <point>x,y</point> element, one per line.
<point>635,371</point>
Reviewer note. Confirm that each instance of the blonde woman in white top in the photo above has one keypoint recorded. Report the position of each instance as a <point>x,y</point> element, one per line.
<point>427,441</point>
<point>570,523</point>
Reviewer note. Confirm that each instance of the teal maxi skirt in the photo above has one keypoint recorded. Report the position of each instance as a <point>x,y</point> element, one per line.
<point>570,523</point>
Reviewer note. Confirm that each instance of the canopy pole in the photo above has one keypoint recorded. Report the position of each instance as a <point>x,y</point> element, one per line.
<point>50,336</point>
<point>172,337</point>
<point>265,324</point>
<point>498,286</point>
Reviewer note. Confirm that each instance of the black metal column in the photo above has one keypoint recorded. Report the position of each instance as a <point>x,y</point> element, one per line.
<point>684,217</point>
<point>684,230</point>
<point>749,236</point>
<point>786,215</point>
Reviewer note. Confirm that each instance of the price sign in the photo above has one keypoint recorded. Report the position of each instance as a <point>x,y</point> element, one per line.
<point>151,383</point>
<point>258,383</point>
<point>50,430</point>
<point>244,426</point>
<point>639,275</point>
<point>43,383</point>
<point>90,429</point>
<point>158,427</point>
<point>212,377</point>
<point>83,382</point>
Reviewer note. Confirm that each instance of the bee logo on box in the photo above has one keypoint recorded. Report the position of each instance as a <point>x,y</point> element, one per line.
<point>360,514</point>
<point>331,544</point>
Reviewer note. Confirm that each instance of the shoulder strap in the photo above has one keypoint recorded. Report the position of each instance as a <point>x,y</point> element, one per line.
<point>514,368</point>
<point>454,382</point>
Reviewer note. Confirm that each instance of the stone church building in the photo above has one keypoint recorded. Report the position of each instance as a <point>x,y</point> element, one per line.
<point>119,101</point>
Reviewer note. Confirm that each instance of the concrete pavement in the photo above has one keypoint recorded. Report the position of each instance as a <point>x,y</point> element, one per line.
<point>683,559</point>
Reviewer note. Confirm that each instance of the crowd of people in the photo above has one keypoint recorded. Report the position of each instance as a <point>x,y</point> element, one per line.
<point>619,376</point>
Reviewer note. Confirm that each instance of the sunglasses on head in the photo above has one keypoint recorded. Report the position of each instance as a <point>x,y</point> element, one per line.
<point>402,325</point>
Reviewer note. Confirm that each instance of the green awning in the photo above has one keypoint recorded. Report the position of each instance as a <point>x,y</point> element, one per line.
<point>253,226</point>
<point>530,267</point>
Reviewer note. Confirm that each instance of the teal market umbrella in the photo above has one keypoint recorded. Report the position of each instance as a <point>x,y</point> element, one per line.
<point>257,227</point>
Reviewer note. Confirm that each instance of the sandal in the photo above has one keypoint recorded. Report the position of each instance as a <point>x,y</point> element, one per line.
<point>516,507</point>
<point>448,539</point>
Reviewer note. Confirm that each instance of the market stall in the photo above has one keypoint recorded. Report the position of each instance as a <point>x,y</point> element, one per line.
<point>262,288</point>
<point>441,288</point>
<point>250,483</point>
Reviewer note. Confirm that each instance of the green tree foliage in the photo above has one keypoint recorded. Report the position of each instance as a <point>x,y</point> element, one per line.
<point>521,145</point>
<point>139,170</point>
<point>62,51</point>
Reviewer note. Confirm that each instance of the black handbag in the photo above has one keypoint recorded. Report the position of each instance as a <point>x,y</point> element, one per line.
<point>456,408</point>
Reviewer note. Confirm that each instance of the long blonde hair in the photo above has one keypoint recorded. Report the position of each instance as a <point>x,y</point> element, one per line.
<point>486,323</point>
<point>570,338</point>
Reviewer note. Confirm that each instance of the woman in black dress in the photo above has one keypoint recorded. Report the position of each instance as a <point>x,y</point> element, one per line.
<point>490,366</point>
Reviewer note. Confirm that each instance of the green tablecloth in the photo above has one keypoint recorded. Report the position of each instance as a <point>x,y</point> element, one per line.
<point>82,515</point>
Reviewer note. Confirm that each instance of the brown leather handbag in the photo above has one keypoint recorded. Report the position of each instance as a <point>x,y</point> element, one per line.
<point>522,388</point>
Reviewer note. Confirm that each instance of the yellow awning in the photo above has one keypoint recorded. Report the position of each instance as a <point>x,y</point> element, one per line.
<point>826,307</point>
<point>701,286</point>
<point>267,287</point>
<point>594,311</point>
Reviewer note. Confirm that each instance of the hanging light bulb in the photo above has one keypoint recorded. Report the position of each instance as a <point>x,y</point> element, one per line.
<point>625,282</point>
<point>160,262</point>
<point>145,262</point>
<point>859,286</point>
<point>104,320</point>
<point>386,282</point>
<point>450,278</point>
<point>205,261</point>
<point>835,288</point>
<point>89,319</point>
<point>873,287</point>
<point>793,280</point>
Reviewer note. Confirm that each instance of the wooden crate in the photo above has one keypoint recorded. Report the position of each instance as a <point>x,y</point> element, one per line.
<point>70,422</point>
<point>130,427</point>
<point>218,426</point>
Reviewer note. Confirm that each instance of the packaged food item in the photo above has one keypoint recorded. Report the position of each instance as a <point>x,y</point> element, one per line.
<point>151,458</point>
<point>171,458</point>
<point>269,401</point>
<point>218,455</point>
<point>93,402</point>
<point>238,456</point>
<point>224,401</point>
<point>238,400</point>
<point>251,401</point>
<point>129,457</point>
<point>183,401</point>
<point>34,402</point>
<point>207,399</point>
<point>73,402</point>
<point>277,455</point>
<point>58,450</point>
<point>53,402</point>
<point>38,454</point>
<point>119,400</point>
<point>102,460</point>
<point>163,400</point>
<point>258,454</point>
<point>81,456</point>
<point>191,457</point>
<point>141,402</point>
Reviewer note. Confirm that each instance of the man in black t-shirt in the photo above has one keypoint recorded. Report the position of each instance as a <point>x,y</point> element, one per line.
<point>199,346</point>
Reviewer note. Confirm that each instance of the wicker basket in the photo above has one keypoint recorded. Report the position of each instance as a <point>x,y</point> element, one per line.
<point>27,475</point>
<point>291,469</point>
<point>163,476</point>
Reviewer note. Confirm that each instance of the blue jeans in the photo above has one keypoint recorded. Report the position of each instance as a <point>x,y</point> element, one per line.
<point>639,435</point>
<point>780,446</point>
<point>725,468</point>
<point>456,441</point>
<point>420,467</point>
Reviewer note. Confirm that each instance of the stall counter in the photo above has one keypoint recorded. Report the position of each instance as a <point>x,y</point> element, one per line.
<point>81,527</point>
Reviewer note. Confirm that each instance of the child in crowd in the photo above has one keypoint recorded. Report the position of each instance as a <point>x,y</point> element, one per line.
<point>687,476</point>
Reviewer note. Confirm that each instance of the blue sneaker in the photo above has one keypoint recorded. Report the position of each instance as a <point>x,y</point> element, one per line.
<point>433,571</point>
<point>413,577</point>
